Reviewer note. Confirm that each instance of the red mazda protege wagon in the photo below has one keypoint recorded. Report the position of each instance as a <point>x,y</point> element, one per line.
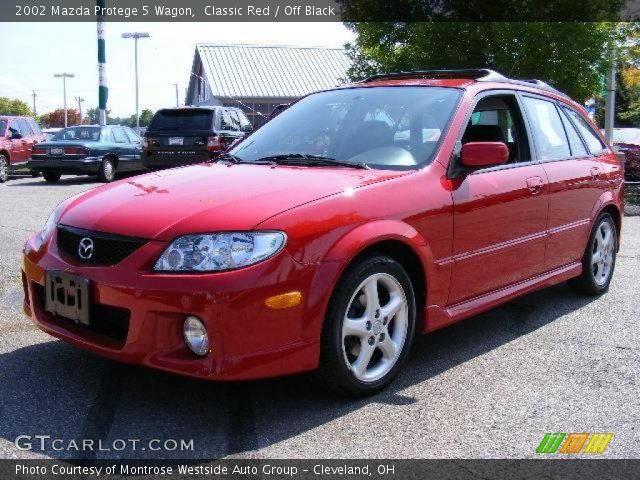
<point>331,235</point>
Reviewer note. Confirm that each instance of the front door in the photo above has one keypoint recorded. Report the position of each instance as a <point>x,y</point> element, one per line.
<point>500,213</point>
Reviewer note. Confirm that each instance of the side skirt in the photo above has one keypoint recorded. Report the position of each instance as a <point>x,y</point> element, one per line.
<point>438,317</point>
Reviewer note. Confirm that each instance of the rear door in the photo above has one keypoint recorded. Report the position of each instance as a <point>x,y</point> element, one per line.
<point>575,182</point>
<point>122,148</point>
<point>500,213</point>
<point>182,133</point>
<point>19,151</point>
<point>135,149</point>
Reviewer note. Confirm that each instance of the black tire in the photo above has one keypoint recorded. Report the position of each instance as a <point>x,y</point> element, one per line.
<point>107,172</point>
<point>590,281</point>
<point>333,372</point>
<point>51,176</point>
<point>4,168</point>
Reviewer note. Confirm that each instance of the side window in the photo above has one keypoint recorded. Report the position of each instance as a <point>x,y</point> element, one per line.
<point>575,142</point>
<point>133,138</point>
<point>245,124</point>
<point>235,121</point>
<point>226,123</point>
<point>34,126</point>
<point>498,119</point>
<point>592,140</point>
<point>23,128</point>
<point>118,135</point>
<point>547,129</point>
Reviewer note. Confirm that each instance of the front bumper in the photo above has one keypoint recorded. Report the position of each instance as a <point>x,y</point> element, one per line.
<point>88,165</point>
<point>248,340</point>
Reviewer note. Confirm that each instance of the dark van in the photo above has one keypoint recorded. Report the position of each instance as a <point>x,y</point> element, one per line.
<point>182,136</point>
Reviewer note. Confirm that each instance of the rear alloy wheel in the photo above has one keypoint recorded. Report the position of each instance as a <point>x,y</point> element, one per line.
<point>107,171</point>
<point>51,177</point>
<point>4,169</point>
<point>599,260</point>
<point>369,327</point>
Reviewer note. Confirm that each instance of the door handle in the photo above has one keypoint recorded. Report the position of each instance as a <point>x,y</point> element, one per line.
<point>595,172</point>
<point>534,184</point>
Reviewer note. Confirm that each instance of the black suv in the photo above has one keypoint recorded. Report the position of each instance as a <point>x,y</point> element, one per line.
<point>181,136</point>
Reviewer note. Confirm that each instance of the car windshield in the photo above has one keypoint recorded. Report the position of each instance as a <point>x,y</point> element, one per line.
<point>626,135</point>
<point>182,120</point>
<point>3,126</point>
<point>85,134</point>
<point>382,127</point>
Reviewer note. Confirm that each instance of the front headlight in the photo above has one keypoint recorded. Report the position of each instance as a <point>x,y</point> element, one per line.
<point>47,230</point>
<point>214,252</point>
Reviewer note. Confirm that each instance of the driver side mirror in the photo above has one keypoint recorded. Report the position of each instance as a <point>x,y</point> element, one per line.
<point>16,136</point>
<point>484,154</point>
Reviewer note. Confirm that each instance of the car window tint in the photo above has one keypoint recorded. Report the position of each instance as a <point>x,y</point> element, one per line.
<point>590,137</point>
<point>498,118</point>
<point>235,120</point>
<point>547,129</point>
<point>575,142</point>
<point>118,135</point>
<point>182,119</point>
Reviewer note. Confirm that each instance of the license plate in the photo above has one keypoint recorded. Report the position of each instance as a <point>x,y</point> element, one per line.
<point>57,151</point>
<point>67,296</point>
<point>176,140</point>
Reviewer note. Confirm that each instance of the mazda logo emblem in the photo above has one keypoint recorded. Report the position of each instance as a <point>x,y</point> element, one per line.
<point>85,248</point>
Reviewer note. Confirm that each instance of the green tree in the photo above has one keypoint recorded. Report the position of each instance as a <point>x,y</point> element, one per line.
<point>145,118</point>
<point>569,56</point>
<point>9,106</point>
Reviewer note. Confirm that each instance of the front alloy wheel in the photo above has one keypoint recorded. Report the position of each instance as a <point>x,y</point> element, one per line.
<point>368,328</point>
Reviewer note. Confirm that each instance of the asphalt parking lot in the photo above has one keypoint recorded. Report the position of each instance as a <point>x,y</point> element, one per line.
<point>489,387</point>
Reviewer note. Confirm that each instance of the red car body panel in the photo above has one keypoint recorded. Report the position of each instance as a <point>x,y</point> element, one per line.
<point>479,240</point>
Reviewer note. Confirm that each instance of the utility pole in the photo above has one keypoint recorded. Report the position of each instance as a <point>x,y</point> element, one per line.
<point>64,77</point>
<point>136,36</point>
<point>103,91</point>
<point>610,99</point>
<point>34,94</point>
<point>80,100</point>
<point>177,102</point>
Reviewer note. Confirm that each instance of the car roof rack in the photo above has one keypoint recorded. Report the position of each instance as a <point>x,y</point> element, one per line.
<point>477,74</point>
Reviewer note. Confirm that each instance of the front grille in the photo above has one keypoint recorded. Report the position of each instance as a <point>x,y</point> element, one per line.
<point>104,320</point>
<point>108,249</point>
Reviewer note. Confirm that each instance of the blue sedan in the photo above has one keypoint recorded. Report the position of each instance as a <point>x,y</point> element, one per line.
<point>88,150</point>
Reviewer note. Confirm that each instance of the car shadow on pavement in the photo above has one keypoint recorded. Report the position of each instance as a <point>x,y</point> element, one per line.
<point>66,180</point>
<point>54,389</point>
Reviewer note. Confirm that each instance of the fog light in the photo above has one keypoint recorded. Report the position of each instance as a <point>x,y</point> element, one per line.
<point>195,336</point>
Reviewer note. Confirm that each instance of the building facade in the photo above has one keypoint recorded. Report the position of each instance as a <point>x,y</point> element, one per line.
<point>258,78</point>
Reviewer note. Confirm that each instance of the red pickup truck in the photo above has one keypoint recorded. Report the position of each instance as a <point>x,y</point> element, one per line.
<point>17,136</point>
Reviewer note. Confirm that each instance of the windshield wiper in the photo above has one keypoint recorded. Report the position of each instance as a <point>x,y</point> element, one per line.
<point>299,158</point>
<point>229,158</point>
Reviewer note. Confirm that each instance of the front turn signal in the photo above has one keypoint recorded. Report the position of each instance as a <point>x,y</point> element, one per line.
<point>284,300</point>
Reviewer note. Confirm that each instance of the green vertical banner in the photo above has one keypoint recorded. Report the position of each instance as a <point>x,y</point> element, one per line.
<point>103,91</point>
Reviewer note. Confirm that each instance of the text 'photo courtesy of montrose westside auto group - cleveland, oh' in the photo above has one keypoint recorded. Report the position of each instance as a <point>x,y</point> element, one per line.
<point>319,239</point>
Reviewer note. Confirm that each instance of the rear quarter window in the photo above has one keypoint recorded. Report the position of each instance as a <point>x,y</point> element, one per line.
<point>592,140</point>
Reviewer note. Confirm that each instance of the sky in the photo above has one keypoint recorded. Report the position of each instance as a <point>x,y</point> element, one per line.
<point>164,59</point>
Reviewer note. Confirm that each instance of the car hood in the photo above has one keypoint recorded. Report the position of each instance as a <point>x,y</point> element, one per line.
<point>208,198</point>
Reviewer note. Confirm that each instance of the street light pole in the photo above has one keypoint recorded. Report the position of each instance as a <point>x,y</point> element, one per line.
<point>64,77</point>
<point>136,36</point>
<point>177,102</point>
<point>80,100</point>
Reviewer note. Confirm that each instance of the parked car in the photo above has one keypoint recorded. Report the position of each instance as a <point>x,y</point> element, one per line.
<point>325,241</point>
<point>627,141</point>
<point>17,136</point>
<point>183,136</point>
<point>50,132</point>
<point>88,150</point>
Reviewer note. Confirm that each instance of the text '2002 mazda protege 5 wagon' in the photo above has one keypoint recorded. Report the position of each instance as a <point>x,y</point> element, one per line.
<point>331,235</point>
